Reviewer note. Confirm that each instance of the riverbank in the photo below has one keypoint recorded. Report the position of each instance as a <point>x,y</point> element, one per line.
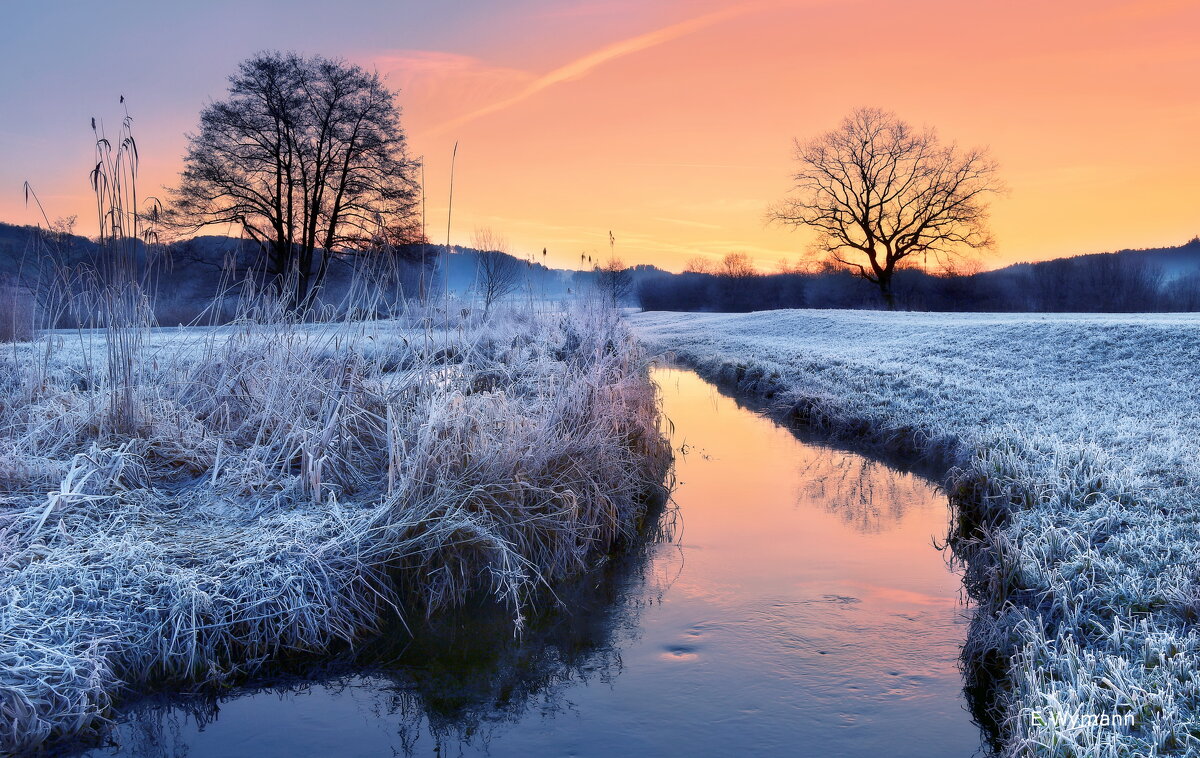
<point>1075,478</point>
<point>799,583</point>
<point>222,499</point>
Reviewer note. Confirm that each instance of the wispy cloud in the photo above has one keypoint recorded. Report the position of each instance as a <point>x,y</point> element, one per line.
<point>408,66</point>
<point>424,75</point>
<point>684,222</point>
<point>582,66</point>
<point>738,166</point>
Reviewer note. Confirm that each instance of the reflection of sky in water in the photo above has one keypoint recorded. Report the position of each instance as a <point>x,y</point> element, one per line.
<point>802,610</point>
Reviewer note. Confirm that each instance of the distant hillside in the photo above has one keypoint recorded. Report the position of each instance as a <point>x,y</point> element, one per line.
<point>192,270</point>
<point>1173,262</point>
<point>189,272</point>
<point>17,251</point>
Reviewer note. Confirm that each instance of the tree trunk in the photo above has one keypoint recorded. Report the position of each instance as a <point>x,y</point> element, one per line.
<point>277,270</point>
<point>303,279</point>
<point>885,289</point>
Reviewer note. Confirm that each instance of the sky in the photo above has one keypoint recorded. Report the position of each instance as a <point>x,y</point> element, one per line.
<point>670,124</point>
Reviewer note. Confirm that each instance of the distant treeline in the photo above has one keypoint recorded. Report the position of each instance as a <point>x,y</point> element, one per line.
<point>201,280</point>
<point>1125,282</point>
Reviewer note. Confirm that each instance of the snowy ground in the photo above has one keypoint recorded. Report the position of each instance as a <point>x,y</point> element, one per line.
<point>1075,441</point>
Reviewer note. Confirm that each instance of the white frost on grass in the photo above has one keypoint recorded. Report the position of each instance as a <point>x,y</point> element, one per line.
<point>270,489</point>
<point>1075,440</point>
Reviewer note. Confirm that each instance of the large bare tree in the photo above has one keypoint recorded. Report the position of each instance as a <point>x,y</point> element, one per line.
<point>308,158</point>
<point>879,192</point>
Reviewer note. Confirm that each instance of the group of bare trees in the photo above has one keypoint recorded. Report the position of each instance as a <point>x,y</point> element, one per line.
<point>736,265</point>
<point>16,309</point>
<point>498,274</point>
<point>614,281</point>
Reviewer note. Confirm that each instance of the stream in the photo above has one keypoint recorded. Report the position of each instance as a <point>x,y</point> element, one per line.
<point>798,608</point>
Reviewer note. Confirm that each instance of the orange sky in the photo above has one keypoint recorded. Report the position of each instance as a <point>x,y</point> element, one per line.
<point>670,123</point>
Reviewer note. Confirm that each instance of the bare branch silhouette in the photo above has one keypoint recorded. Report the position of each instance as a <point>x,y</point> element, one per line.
<point>877,192</point>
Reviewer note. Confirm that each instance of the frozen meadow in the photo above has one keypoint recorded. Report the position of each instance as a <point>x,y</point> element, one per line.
<point>184,507</point>
<point>1072,445</point>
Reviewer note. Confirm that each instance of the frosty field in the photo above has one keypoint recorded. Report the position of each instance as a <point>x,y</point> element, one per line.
<point>183,507</point>
<point>1072,444</point>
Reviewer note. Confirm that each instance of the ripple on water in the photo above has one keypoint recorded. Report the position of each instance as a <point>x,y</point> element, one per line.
<point>680,653</point>
<point>841,599</point>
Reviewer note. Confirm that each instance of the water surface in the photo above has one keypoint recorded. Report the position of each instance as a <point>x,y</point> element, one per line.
<point>800,609</point>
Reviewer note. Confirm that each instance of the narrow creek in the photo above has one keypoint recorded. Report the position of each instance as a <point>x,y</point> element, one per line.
<point>800,609</point>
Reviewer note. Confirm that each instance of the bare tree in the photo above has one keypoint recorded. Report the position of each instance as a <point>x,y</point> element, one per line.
<point>614,281</point>
<point>878,192</point>
<point>734,288</point>
<point>497,273</point>
<point>737,266</point>
<point>307,156</point>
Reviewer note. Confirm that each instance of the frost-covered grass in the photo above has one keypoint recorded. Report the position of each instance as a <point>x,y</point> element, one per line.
<point>1076,481</point>
<point>223,498</point>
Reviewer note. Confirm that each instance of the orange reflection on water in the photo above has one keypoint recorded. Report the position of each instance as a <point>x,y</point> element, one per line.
<point>818,566</point>
<point>839,510</point>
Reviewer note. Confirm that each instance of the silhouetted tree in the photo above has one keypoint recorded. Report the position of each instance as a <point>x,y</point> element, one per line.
<point>614,281</point>
<point>497,273</point>
<point>878,191</point>
<point>737,266</point>
<point>739,286</point>
<point>307,156</point>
